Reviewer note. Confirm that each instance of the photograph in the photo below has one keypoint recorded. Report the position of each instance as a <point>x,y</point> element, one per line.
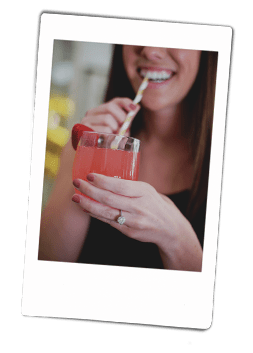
<point>126,170</point>
<point>160,103</point>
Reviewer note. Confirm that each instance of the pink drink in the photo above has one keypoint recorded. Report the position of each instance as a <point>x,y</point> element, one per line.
<point>110,162</point>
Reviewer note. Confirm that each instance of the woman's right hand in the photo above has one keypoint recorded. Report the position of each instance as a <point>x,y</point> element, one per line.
<point>109,117</point>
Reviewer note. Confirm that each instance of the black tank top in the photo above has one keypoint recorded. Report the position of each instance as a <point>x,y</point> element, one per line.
<point>105,245</point>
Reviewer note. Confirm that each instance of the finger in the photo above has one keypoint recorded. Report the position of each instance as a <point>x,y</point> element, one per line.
<point>119,186</point>
<point>102,129</point>
<point>127,104</point>
<point>123,102</point>
<point>115,109</point>
<point>130,225</point>
<point>118,108</point>
<point>121,227</point>
<point>103,196</point>
<point>100,126</point>
<point>105,120</point>
<point>103,212</point>
<point>111,114</point>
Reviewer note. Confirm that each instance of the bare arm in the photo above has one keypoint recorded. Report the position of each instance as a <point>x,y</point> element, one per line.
<point>185,253</point>
<point>64,225</point>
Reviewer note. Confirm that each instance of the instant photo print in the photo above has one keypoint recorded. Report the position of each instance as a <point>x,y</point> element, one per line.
<point>74,57</point>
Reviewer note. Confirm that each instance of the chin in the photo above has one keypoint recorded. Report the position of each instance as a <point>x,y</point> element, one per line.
<point>155,105</point>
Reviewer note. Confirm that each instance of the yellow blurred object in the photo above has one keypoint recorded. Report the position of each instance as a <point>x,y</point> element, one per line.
<point>62,105</point>
<point>54,120</point>
<point>58,136</point>
<point>51,164</point>
<point>56,140</point>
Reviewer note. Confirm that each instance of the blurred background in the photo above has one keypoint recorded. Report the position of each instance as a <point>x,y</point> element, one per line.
<point>78,83</point>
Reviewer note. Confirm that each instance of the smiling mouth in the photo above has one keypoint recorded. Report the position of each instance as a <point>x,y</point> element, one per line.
<point>156,76</point>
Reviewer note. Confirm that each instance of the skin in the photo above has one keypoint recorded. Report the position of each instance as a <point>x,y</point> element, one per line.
<point>184,65</point>
<point>150,216</point>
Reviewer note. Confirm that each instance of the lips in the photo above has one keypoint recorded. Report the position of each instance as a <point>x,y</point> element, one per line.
<point>156,75</point>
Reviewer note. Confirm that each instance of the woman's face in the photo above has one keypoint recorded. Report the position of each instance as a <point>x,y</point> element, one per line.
<point>171,73</point>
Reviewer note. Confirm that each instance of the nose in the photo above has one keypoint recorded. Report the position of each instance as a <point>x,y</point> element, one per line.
<point>153,53</point>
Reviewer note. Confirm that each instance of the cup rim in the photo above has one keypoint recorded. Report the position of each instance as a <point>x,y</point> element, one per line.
<point>110,134</point>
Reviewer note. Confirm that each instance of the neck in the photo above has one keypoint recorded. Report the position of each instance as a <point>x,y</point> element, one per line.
<point>165,126</point>
<point>165,148</point>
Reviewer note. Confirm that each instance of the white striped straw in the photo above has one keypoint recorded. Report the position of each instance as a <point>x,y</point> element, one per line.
<point>130,115</point>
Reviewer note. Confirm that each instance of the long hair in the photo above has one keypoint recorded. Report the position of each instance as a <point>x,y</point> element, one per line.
<point>198,108</point>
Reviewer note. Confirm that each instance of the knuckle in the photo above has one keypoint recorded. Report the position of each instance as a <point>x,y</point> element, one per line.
<point>84,119</point>
<point>115,100</point>
<point>107,118</point>
<point>122,118</point>
<point>83,187</point>
<point>107,129</point>
<point>111,121</point>
<point>119,189</point>
<point>140,223</point>
<point>137,207</point>
<point>106,199</point>
<point>108,213</point>
<point>102,129</point>
<point>110,104</point>
<point>130,232</point>
<point>124,100</point>
<point>147,187</point>
<point>88,206</point>
<point>88,113</point>
<point>87,120</point>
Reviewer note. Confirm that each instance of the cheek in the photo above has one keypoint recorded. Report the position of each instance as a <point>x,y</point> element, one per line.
<point>189,57</point>
<point>128,60</point>
<point>190,63</point>
<point>195,60</point>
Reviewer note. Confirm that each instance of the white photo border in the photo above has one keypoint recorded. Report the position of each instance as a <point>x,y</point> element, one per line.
<point>121,294</point>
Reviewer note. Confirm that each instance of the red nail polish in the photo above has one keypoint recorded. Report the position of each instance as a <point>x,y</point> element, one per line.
<point>90,177</point>
<point>76,198</point>
<point>132,106</point>
<point>76,183</point>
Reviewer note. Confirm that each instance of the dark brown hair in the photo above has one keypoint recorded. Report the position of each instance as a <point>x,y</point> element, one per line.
<point>198,106</point>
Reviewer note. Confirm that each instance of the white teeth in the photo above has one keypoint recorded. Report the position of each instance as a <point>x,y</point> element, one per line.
<point>156,75</point>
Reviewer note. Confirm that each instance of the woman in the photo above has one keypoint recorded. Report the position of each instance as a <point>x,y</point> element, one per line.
<point>165,209</point>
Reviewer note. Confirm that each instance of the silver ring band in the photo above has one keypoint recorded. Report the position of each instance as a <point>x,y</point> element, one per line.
<point>121,220</point>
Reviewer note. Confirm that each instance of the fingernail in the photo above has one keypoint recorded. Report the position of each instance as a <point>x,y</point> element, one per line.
<point>76,183</point>
<point>90,177</point>
<point>132,106</point>
<point>76,198</point>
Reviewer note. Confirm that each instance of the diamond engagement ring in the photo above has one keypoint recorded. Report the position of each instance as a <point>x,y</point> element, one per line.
<point>121,220</point>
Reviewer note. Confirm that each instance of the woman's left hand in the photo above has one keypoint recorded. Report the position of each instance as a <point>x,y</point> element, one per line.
<point>149,216</point>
